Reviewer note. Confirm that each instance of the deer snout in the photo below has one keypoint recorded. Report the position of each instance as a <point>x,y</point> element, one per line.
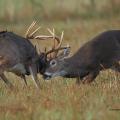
<point>47,75</point>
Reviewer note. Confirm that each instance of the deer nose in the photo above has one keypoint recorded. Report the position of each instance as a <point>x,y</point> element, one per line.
<point>47,75</point>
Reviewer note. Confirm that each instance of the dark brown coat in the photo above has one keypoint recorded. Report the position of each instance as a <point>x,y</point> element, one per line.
<point>102,52</point>
<point>18,55</point>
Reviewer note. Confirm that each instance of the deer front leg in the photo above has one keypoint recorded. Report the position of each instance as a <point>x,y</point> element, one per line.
<point>78,81</point>
<point>116,67</point>
<point>33,72</point>
<point>23,77</point>
<point>3,77</point>
<point>90,77</point>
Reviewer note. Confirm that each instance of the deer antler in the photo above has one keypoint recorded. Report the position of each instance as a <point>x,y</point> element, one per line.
<point>52,35</point>
<point>58,48</point>
<point>29,35</point>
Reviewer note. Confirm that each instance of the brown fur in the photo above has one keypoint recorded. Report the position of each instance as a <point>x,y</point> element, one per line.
<point>102,52</point>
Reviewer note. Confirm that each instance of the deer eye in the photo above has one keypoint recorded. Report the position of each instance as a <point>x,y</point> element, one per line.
<point>53,63</point>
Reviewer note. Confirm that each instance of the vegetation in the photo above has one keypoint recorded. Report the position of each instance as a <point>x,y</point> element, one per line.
<point>61,99</point>
<point>14,10</point>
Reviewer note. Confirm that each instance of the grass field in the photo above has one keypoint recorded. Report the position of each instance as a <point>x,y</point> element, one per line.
<point>62,99</point>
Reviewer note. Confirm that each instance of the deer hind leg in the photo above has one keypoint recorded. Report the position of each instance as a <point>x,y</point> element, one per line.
<point>33,72</point>
<point>90,77</point>
<point>3,77</point>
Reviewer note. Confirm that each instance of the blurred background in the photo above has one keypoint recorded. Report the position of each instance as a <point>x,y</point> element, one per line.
<point>80,19</point>
<point>51,10</point>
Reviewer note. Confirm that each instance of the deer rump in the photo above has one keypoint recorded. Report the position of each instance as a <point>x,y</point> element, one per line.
<point>102,52</point>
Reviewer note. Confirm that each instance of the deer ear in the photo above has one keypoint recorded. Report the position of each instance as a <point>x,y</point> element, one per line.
<point>64,54</point>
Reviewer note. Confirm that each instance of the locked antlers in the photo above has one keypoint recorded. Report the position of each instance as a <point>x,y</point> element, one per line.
<point>56,47</point>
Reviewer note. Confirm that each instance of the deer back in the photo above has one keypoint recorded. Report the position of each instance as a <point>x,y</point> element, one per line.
<point>16,49</point>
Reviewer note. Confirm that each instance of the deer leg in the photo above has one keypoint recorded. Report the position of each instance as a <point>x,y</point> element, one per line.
<point>78,81</point>
<point>116,67</point>
<point>23,77</point>
<point>90,77</point>
<point>33,72</point>
<point>3,77</point>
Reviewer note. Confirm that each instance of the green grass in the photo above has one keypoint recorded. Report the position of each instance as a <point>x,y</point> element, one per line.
<point>61,99</point>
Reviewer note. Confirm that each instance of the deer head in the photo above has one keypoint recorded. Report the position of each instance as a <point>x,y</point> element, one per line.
<point>56,65</point>
<point>46,56</point>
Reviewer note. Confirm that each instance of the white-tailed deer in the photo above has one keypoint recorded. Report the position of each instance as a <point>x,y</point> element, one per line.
<point>19,55</point>
<point>101,53</point>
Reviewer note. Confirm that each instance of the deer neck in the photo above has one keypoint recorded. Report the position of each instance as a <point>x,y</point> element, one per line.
<point>71,68</point>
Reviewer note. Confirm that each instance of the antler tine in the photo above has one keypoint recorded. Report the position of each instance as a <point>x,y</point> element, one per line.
<point>54,37</point>
<point>31,35</point>
<point>61,39</point>
<point>52,33</point>
<point>29,28</point>
<point>59,45</point>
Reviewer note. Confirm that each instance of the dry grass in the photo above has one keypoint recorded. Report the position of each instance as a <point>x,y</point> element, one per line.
<point>61,99</point>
